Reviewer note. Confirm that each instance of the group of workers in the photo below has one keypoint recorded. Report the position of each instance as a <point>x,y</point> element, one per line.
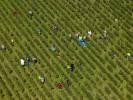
<point>82,38</point>
<point>28,61</point>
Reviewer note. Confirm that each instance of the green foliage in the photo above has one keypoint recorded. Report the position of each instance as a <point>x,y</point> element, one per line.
<point>99,76</point>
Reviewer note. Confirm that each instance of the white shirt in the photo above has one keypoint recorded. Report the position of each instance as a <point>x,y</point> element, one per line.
<point>80,37</point>
<point>30,12</point>
<point>89,32</point>
<point>22,61</point>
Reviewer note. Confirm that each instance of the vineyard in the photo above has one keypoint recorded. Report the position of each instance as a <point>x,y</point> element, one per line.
<point>44,29</point>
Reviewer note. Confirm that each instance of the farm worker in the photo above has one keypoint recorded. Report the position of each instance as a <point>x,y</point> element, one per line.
<point>77,34</point>
<point>12,42</point>
<point>105,31</point>
<point>68,66</point>
<point>80,38</point>
<point>89,33</point>
<point>41,78</point>
<point>34,60</point>
<point>116,20</point>
<point>87,36</point>
<point>129,54</point>
<point>38,31</point>
<point>22,62</point>
<point>2,47</point>
<point>81,41</point>
<point>74,35</point>
<point>28,60</point>
<point>60,85</point>
<point>58,55</point>
<point>30,14</point>
<point>53,48</point>
<point>55,29</point>
<point>72,67</point>
<point>114,54</point>
<point>105,34</point>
